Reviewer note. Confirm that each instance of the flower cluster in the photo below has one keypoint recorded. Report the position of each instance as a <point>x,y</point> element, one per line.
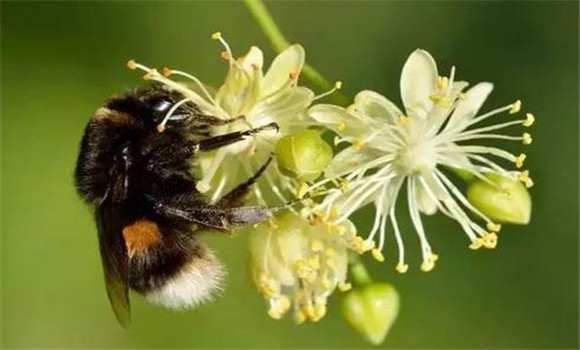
<point>300,257</point>
<point>391,149</point>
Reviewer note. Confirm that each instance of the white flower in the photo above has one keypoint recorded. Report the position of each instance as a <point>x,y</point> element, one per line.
<point>391,149</point>
<point>250,99</point>
<point>298,264</point>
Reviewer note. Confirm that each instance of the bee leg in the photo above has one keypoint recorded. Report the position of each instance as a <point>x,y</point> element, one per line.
<point>236,196</point>
<point>227,139</point>
<point>214,121</point>
<point>209,216</point>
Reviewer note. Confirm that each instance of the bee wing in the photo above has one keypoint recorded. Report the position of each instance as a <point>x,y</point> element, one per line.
<point>115,262</point>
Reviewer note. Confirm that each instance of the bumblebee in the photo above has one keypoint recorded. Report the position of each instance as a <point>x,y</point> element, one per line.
<point>148,213</point>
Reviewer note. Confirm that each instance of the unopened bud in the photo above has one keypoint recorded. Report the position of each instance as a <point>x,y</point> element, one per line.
<point>371,310</point>
<point>303,155</point>
<point>508,201</point>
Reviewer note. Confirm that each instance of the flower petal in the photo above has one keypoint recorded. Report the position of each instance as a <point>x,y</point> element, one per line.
<point>288,61</point>
<point>350,159</point>
<point>418,80</point>
<point>468,107</point>
<point>376,106</point>
<point>337,119</point>
<point>285,108</point>
<point>254,58</point>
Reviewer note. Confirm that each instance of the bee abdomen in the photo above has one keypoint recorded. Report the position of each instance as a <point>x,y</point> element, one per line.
<point>170,267</point>
<point>195,283</point>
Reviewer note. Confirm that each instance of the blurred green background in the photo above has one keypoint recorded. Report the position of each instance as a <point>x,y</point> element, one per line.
<point>60,60</point>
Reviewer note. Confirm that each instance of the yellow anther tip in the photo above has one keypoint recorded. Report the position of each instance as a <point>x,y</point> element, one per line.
<point>402,268</point>
<point>131,64</point>
<point>427,265</point>
<point>530,119</point>
<point>527,138</point>
<point>493,227</point>
<point>515,107</point>
<point>343,286</point>
<point>490,240</point>
<point>338,85</point>
<point>378,255</point>
<point>160,128</point>
<point>293,75</point>
<point>476,244</point>
<point>520,160</point>
<point>216,35</point>
<point>341,126</point>
<point>167,72</point>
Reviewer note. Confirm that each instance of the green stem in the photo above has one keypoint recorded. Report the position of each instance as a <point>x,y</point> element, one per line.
<point>279,43</point>
<point>358,271</point>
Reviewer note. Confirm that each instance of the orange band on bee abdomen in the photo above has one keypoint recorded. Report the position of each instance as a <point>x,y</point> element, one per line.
<point>141,235</point>
<point>116,117</point>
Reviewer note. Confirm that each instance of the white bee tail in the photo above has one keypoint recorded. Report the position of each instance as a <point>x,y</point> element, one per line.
<point>196,283</point>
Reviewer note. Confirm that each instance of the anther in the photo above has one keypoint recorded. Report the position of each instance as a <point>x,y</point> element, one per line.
<point>493,227</point>
<point>338,85</point>
<point>490,240</point>
<point>401,267</point>
<point>427,265</point>
<point>341,126</point>
<point>378,255</point>
<point>343,286</point>
<point>527,138</point>
<point>520,160</point>
<point>526,179</point>
<point>160,128</point>
<point>167,72</point>
<point>131,64</point>
<point>316,246</point>
<point>294,75</point>
<point>226,56</point>
<point>515,107</point>
<point>529,120</point>
<point>216,35</point>
<point>476,244</point>
<point>358,145</point>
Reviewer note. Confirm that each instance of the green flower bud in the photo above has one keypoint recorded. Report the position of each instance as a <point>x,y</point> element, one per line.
<point>303,155</point>
<point>371,310</point>
<point>509,202</point>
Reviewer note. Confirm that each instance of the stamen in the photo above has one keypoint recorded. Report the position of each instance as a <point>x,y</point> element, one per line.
<point>378,255</point>
<point>493,227</point>
<point>529,120</point>
<point>525,178</point>
<point>168,72</point>
<point>519,161</point>
<point>343,286</point>
<point>218,36</point>
<point>527,138</point>
<point>161,126</point>
<point>131,64</point>
<point>515,107</point>
<point>442,83</point>
<point>337,86</point>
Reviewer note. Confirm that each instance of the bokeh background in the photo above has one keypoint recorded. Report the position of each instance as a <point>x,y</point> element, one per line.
<point>60,60</point>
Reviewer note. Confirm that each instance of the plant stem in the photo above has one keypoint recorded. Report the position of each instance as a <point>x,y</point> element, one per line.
<point>359,273</point>
<point>279,43</point>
